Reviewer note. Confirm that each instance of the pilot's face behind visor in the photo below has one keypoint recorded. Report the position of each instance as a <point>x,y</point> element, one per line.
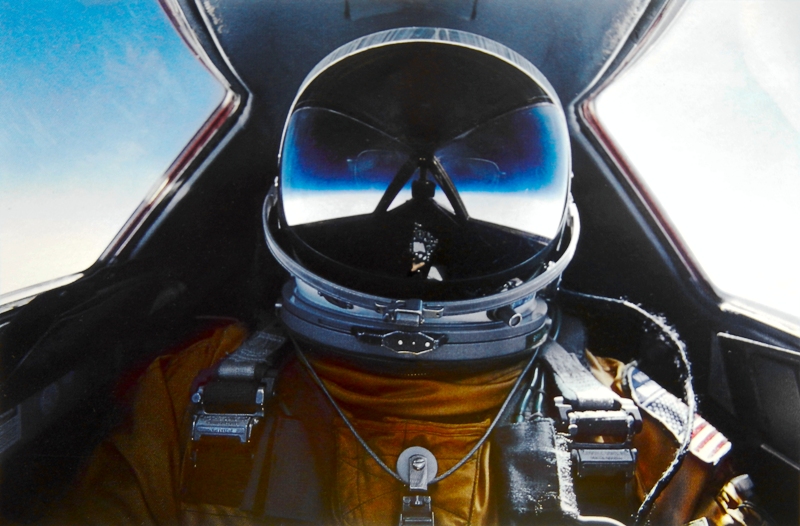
<point>424,170</point>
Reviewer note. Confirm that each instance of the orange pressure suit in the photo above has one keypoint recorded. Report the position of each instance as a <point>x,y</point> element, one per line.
<point>143,474</point>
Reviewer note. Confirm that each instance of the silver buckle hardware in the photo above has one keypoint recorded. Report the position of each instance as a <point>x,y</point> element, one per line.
<point>603,459</point>
<point>232,403</point>
<point>236,425</point>
<point>417,511</point>
<point>411,313</point>
<point>223,425</point>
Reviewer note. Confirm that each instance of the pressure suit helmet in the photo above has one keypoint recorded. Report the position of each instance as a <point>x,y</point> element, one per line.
<point>423,205</point>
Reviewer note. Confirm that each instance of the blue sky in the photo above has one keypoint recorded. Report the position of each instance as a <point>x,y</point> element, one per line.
<point>96,100</point>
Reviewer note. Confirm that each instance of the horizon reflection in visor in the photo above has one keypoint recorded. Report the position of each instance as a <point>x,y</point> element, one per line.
<point>511,171</point>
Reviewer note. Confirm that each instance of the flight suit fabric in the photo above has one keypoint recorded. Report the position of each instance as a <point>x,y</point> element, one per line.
<point>135,476</point>
<point>446,416</point>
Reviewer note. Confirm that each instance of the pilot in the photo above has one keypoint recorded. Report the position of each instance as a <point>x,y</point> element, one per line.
<point>423,367</point>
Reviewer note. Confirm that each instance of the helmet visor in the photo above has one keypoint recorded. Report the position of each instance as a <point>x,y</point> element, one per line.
<point>511,171</point>
<point>334,166</point>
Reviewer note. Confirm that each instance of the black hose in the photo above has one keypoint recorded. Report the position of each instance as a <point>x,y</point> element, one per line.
<point>641,515</point>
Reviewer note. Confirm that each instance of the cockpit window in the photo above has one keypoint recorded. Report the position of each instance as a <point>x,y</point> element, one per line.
<point>709,118</point>
<point>96,100</point>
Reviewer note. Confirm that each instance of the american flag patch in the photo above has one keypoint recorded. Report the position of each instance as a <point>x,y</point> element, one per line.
<point>708,444</point>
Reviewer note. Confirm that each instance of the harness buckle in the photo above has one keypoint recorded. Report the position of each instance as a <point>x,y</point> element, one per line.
<point>227,424</point>
<point>623,421</point>
<point>603,459</point>
<point>417,511</point>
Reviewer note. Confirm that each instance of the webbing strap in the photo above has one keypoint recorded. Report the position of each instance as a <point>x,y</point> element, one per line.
<point>577,384</point>
<point>293,489</point>
<point>249,361</point>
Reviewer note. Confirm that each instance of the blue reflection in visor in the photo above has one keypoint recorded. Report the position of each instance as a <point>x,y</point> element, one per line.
<point>519,151</point>
<point>326,150</point>
<point>512,171</point>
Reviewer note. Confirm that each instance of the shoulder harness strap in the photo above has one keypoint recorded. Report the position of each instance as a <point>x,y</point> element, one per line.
<point>598,426</point>
<point>243,453</point>
<point>588,409</point>
<point>233,401</point>
<point>542,462</point>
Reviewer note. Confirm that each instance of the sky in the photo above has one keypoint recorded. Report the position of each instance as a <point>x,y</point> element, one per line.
<point>96,100</point>
<point>710,119</point>
<point>97,97</point>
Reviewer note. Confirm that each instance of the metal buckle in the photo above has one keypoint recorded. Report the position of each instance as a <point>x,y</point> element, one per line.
<point>605,459</point>
<point>417,511</point>
<point>223,425</point>
<point>411,313</point>
<point>235,425</point>
<point>624,421</point>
